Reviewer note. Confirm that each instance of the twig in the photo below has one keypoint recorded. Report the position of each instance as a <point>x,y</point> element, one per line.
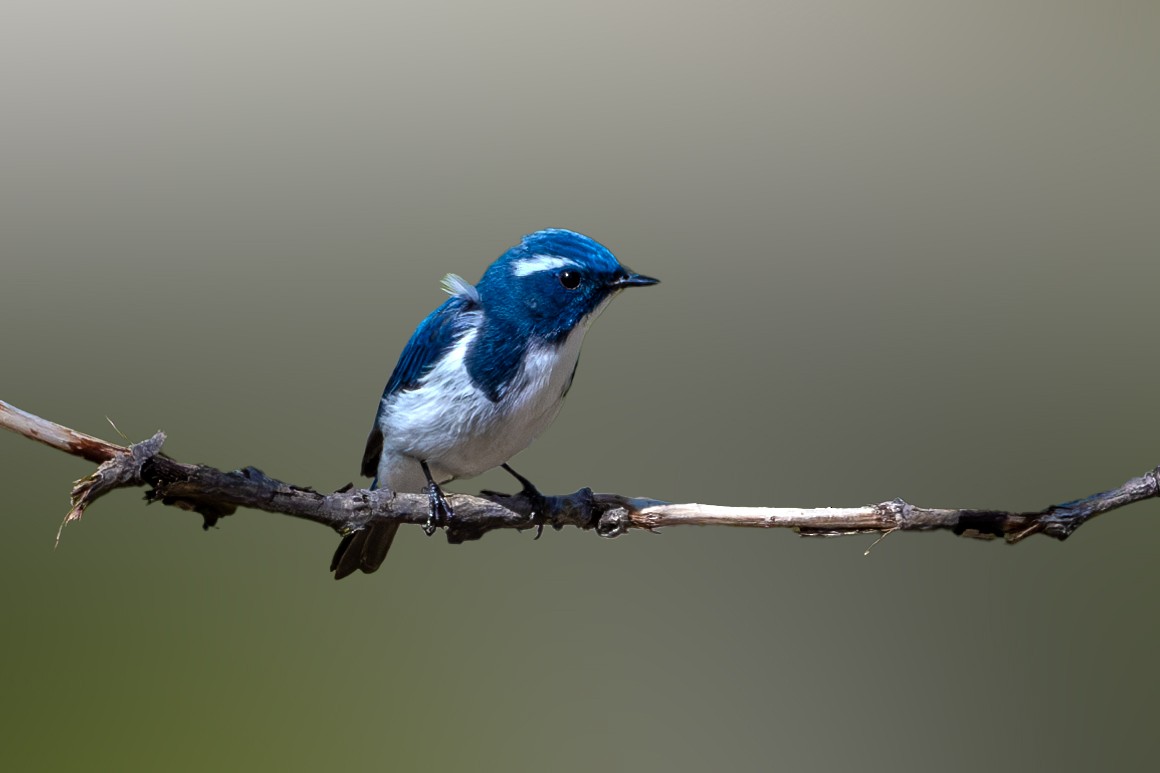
<point>215,494</point>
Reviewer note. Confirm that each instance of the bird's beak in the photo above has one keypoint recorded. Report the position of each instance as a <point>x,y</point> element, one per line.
<point>635,280</point>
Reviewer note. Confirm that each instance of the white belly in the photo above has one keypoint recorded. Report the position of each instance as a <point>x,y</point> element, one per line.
<point>458,430</point>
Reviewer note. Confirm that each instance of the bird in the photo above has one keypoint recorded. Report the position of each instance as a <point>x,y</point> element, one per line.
<point>483,375</point>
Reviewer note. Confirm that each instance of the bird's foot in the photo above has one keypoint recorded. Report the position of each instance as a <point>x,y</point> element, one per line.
<point>537,501</point>
<point>439,511</point>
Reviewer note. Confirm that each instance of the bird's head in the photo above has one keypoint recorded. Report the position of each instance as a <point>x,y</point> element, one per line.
<point>553,281</point>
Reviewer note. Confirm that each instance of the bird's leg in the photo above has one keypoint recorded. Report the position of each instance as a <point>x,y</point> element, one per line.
<point>533,495</point>
<point>439,511</point>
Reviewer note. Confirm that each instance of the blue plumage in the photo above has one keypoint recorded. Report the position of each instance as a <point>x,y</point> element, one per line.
<point>428,344</point>
<point>484,374</point>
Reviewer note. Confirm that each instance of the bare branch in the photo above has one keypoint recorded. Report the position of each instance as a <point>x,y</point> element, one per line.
<point>52,434</point>
<point>215,494</point>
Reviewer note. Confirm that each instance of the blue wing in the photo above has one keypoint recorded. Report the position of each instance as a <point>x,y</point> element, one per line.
<point>430,341</point>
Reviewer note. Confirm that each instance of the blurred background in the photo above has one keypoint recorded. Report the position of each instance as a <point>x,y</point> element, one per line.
<point>907,249</point>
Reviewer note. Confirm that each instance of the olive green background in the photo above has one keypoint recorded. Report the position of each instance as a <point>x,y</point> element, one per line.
<point>907,249</point>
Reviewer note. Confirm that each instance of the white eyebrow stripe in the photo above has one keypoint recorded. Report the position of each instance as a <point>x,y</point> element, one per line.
<point>525,266</point>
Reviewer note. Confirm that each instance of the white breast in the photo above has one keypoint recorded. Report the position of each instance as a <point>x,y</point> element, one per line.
<point>461,433</point>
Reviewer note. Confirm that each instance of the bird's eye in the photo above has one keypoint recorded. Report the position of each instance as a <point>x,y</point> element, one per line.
<point>570,279</point>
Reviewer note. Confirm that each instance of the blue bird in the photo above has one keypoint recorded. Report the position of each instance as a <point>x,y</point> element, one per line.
<point>483,375</point>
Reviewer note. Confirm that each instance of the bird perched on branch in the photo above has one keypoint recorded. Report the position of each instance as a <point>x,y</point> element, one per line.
<point>483,375</point>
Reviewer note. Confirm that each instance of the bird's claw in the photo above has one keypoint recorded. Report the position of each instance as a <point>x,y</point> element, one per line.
<point>539,514</point>
<point>539,510</point>
<point>439,511</point>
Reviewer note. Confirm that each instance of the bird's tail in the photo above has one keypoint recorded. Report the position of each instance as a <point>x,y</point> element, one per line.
<point>364,549</point>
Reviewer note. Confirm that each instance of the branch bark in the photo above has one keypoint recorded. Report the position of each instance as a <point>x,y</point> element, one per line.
<point>215,494</point>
